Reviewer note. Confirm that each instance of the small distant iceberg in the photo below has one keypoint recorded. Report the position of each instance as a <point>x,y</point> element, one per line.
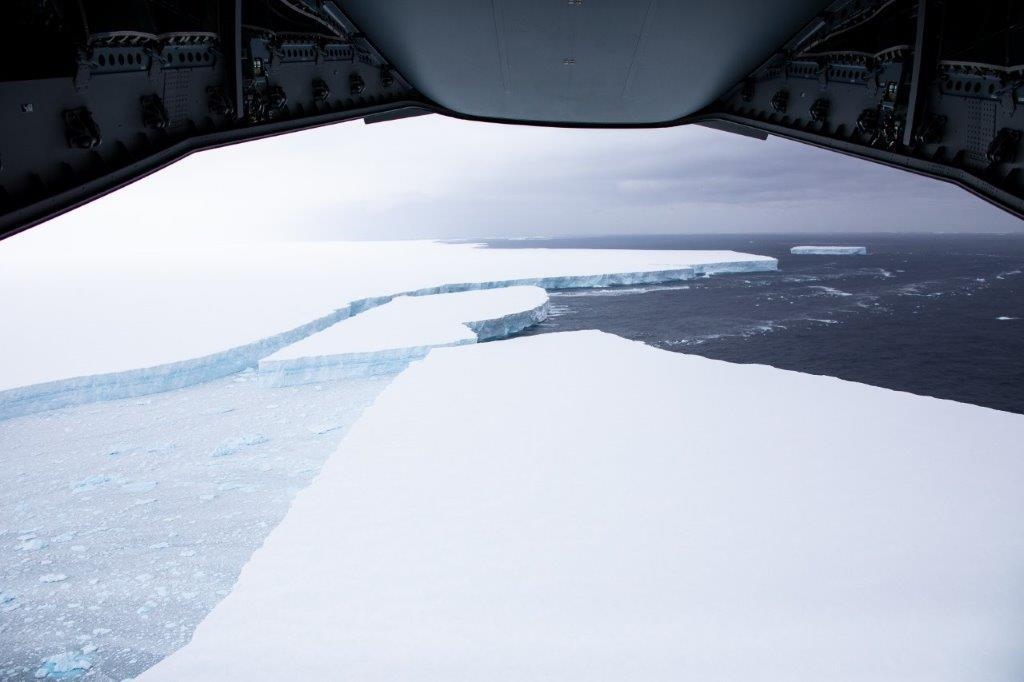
<point>829,250</point>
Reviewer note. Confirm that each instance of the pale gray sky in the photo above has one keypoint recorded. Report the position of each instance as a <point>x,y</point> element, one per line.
<point>444,178</point>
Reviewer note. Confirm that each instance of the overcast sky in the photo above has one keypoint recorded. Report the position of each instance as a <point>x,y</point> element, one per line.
<point>444,178</point>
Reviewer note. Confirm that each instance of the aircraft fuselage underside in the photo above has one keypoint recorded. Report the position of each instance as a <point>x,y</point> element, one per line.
<point>97,93</point>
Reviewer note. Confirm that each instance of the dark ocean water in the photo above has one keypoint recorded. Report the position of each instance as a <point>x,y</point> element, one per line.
<point>937,315</point>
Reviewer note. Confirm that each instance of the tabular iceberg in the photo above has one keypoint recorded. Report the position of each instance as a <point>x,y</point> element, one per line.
<point>829,250</point>
<point>222,311</point>
<point>385,339</point>
<point>581,507</point>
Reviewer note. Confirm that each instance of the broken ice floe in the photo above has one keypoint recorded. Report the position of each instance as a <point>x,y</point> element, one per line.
<point>52,578</point>
<point>386,339</point>
<point>139,486</point>
<point>554,269</point>
<point>64,666</point>
<point>232,445</point>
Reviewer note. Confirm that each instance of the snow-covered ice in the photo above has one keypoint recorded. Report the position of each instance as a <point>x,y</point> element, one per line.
<point>385,339</point>
<point>125,324</point>
<point>63,666</point>
<point>120,517</point>
<point>581,507</point>
<point>829,250</point>
<point>52,578</point>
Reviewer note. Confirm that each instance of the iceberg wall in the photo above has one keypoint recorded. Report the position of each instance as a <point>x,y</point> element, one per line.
<point>132,383</point>
<point>829,250</point>
<point>303,365</point>
<point>507,325</point>
<point>51,395</point>
<point>309,370</point>
<point>735,267</point>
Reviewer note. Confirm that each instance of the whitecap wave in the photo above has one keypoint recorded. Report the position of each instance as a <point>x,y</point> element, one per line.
<point>558,310</point>
<point>881,273</point>
<point>746,332</point>
<point>918,289</point>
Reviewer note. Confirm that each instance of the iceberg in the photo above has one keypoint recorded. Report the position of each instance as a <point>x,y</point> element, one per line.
<point>155,322</point>
<point>580,507</point>
<point>829,250</point>
<point>385,339</point>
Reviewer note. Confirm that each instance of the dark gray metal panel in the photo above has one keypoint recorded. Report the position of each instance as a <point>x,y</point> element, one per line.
<point>130,102</point>
<point>87,190</point>
<point>577,61</point>
<point>734,128</point>
<point>937,93</point>
<point>930,86</point>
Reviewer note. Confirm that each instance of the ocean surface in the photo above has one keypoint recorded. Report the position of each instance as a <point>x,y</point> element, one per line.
<point>937,315</point>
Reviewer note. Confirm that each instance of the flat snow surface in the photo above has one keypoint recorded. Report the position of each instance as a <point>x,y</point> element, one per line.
<point>829,250</point>
<point>413,321</point>
<point>580,507</point>
<point>85,313</point>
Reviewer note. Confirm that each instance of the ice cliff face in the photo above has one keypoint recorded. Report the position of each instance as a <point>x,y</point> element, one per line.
<point>507,325</point>
<point>28,399</point>
<point>387,338</point>
<point>144,381</point>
